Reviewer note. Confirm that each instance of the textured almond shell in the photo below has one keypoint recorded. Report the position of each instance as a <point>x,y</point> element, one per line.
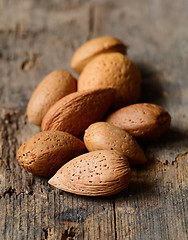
<point>98,173</point>
<point>143,120</point>
<point>75,112</point>
<point>112,70</point>
<point>53,87</point>
<point>46,152</point>
<point>94,47</point>
<point>105,136</point>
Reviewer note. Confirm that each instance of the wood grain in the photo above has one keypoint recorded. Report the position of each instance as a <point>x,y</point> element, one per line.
<point>37,37</point>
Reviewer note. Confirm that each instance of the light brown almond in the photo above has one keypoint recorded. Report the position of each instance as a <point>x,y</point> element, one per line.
<point>112,70</point>
<point>98,173</point>
<point>75,112</point>
<point>105,136</point>
<point>47,151</point>
<point>144,121</point>
<point>94,47</point>
<point>53,87</point>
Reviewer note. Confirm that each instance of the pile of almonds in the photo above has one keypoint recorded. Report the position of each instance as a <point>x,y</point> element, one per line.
<point>69,112</point>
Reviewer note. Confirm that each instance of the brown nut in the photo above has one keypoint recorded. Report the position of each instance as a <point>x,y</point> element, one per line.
<point>98,173</point>
<point>53,87</point>
<point>112,70</point>
<point>144,121</point>
<point>105,136</point>
<point>46,152</point>
<point>75,112</point>
<point>94,47</point>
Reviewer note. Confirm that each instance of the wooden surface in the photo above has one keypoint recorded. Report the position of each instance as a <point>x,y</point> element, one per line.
<point>38,36</point>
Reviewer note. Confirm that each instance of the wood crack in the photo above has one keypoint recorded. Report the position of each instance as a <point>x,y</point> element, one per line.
<point>12,191</point>
<point>181,156</point>
<point>91,22</point>
<point>115,225</point>
<point>69,233</point>
<point>30,62</point>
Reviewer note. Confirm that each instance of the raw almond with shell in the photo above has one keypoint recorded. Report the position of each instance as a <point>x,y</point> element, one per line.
<point>112,70</point>
<point>53,87</point>
<point>97,173</point>
<point>144,121</point>
<point>105,136</point>
<point>75,112</point>
<point>94,47</point>
<point>47,151</point>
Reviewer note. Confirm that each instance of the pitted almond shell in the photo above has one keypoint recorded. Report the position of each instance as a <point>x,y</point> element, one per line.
<point>112,70</point>
<point>75,112</point>
<point>98,173</point>
<point>94,47</point>
<point>144,121</point>
<point>53,87</point>
<point>47,151</point>
<point>105,136</point>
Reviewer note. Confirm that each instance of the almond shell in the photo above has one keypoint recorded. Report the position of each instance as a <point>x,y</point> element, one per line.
<point>47,151</point>
<point>144,121</point>
<point>53,87</point>
<point>85,53</point>
<point>97,173</point>
<point>75,112</point>
<point>105,136</point>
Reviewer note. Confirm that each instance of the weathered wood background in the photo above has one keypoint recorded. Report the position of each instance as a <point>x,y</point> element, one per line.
<point>38,36</point>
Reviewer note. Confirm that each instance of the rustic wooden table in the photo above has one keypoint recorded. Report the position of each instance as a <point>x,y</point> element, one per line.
<point>39,36</point>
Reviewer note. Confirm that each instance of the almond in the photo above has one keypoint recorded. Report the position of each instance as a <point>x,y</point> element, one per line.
<point>53,87</point>
<point>105,136</point>
<point>46,152</point>
<point>94,47</point>
<point>112,70</point>
<point>75,112</point>
<point>98,173</point>
<point>144,121</point>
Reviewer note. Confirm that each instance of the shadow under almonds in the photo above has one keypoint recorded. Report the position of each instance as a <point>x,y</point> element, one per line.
<point>174,140</point>
<point>174,135</point>
<point>151,85</point>
<point>137,187</point>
